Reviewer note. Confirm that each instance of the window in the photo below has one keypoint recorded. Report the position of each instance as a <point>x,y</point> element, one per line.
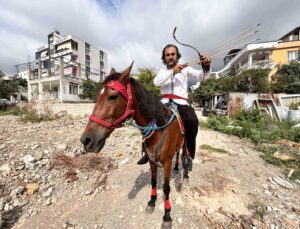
<point>293,55</point>
<point>74,45</point>
<point>87,48</point>
<point>73,88</point>
<point>101,55</point>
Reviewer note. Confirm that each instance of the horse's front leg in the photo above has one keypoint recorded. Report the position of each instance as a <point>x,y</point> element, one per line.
<point>151,203</point>
<point>167,220</point>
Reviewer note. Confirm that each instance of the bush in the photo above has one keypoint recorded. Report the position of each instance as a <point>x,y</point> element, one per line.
<point>27,114</point>
<point>218,123</point>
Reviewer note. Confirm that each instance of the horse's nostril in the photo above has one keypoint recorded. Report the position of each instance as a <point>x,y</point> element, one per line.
<point>86,141</point>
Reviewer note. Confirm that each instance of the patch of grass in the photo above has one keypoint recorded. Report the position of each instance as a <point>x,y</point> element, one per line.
<point>33,117</point>
<point>211,149</point>
<point>17,111</point>
<point>260,211</point>
<point>27,115</point>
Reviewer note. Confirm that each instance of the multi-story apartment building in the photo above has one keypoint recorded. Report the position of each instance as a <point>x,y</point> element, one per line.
<point>61,66</point>
<point>265,54</point>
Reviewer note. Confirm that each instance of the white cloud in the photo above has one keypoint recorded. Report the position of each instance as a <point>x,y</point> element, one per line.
<point>136,30</point>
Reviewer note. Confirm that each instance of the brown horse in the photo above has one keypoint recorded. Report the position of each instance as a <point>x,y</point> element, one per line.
<point>122,97</point>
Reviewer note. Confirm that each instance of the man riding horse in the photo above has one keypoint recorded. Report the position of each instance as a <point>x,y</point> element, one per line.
<point>173,82</point>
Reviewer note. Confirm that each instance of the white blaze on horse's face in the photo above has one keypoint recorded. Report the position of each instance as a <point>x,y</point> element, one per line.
<point>102,90</point>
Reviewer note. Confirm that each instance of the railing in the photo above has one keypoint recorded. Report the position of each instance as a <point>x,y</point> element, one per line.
<point>50,95</point>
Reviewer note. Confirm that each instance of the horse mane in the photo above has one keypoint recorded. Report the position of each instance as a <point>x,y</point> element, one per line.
<point>150,105</point>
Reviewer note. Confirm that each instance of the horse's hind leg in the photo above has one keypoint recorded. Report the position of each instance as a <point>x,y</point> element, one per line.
<point>167,220</point>
<point>151,204</point>
<point>176,167</point>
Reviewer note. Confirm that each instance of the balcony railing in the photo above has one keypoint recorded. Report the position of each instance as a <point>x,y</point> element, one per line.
<point>50,95</point>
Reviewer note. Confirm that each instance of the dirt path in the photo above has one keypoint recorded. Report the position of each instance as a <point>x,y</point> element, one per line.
<point>229,189</point>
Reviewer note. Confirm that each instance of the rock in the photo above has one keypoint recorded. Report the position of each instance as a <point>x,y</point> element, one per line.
<point>196,161</point>
<point>28,159</point>
<point>196,195</point>
<point>34,146</point>
<point>5,168</point>
<point>209,211</point>
<point>48,202</point>
<point>179,201</point>
<point>7,207</point>
<point>121,216</point>
<point>17,191</point>
<point>123,162</point>
<point>61,146</point>
<point>290,222</point>
<point>46,151</point>
<point>283,156</point>
<point>32,188</point>
<point>87,193</point>
<point>283,182</point>
<point>48,193</point>
<point>179,220</point>
<point>269,208</point>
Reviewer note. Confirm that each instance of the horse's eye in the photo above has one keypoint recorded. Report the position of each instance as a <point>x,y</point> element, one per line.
<point>113,97</point>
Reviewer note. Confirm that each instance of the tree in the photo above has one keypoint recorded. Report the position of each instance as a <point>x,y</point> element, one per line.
<point>255,80</point>
<point>11,86</point>
<point>146,76</point>
<point>287,79</point>
<point>252,80</point>
<point>90,90</point>
<point>1,74</point>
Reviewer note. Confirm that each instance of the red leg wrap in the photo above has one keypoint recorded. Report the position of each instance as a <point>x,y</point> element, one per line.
<point>167,204</point>
<point>153,192</point>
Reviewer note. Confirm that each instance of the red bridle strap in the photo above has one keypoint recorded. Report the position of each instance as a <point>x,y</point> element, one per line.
<point>127,94</point>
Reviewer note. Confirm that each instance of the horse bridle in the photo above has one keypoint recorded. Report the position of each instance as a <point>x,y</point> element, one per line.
<point>126,92</point>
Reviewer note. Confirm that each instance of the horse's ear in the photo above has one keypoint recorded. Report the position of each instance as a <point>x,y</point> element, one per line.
<point>112,71</point>
<point>126,73</point>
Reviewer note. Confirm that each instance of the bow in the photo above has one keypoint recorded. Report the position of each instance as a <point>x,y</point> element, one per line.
<point>205,70</point>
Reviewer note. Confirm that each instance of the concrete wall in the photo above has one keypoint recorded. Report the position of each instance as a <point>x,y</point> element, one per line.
<point>72,109</point>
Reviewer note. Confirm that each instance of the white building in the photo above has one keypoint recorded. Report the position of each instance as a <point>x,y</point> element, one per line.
<point>24,75</point>
<point>72,61</point>
<point>251,56</point>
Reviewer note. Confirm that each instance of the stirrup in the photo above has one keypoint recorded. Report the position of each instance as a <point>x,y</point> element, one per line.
<point>143,160</point>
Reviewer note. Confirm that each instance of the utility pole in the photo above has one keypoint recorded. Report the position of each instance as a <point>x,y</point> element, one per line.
<point>49,54</point>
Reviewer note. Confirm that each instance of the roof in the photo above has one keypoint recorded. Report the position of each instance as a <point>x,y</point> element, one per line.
<point>292,31</point>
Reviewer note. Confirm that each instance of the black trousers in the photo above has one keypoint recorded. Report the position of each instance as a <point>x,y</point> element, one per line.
<point>190,122</point>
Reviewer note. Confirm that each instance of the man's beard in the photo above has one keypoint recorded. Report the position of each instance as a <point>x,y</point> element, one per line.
<point>172,65</point>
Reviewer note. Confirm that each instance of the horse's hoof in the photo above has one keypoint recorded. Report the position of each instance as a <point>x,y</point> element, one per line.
<point>176,168</point>
<point>149,209</point>
<point>166,224</point>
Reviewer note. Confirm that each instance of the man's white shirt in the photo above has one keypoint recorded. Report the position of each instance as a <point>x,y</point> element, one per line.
<point>164,78</point>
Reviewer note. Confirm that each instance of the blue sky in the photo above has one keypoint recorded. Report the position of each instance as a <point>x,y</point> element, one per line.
<point>137,30</point>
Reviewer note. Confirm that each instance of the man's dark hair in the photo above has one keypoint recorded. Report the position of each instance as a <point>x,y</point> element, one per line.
<point>163,53</point>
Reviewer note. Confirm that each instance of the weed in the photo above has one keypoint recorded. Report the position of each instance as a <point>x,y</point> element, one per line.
<point>260,211</point>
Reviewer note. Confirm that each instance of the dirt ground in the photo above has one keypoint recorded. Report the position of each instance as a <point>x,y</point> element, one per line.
<point>48,181</point>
